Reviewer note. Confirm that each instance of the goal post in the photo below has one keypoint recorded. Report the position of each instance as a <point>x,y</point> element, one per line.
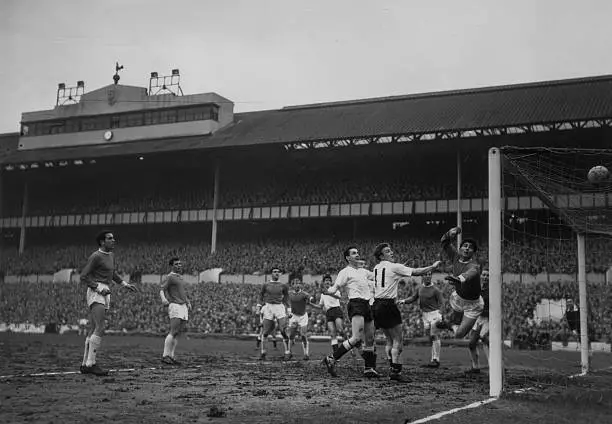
<point>549,190</point>
<point>496,367</point>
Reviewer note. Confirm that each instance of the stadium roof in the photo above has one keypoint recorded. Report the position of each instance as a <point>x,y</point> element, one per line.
<point>571,103</point>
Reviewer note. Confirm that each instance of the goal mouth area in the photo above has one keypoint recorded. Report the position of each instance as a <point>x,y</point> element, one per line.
<point>550,238</point>
<point>558,178</point>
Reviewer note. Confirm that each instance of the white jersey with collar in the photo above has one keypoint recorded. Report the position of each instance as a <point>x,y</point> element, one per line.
<point>387,276</point>
<point>356,281</point>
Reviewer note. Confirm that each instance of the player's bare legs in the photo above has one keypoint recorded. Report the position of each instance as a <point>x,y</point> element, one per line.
<point>460,324</point>
<point>266,329</point>
<point>93,342</point>
<point>436,346</point>
<point>358,334</point>
<point>331,327</point>
<point>177,326</point>
<point>282,326</point>
<point>473,348</point>
<point>464,328</point>
<point>394,346</point>
<point>369,356</point>
<point>388,345</point>
<point>305,342</point>
<point>293,332</point>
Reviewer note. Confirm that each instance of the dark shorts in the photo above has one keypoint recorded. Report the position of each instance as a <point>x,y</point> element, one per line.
<point>332,314</point>
<point>386,314</point>
<point>359,307</point>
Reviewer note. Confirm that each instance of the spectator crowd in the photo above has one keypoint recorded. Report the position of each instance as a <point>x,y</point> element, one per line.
<point>228,308</point>
<point>308,256</point>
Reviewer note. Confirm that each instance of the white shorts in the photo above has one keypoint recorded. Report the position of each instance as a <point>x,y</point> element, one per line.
<point>430,319</point>
<point>470,308</point>
<point>95,297</point>
<point>298,320</point>
<point>272,311</point>
<point>176,310</point>
<point>481,326</point>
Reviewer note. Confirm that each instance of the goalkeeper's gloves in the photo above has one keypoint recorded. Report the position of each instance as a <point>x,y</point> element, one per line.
<point>452,280</point>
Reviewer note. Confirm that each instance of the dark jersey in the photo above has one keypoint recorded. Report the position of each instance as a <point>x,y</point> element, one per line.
<point>485,296</point>
<point>469,289</point>
<point>430,298</point>
<point>298,302</point>
<point>275,293</point>
<point>173,286</point>
<point>100,268</point>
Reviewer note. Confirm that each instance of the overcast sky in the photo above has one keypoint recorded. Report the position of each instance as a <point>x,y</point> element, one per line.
<point>268,54</point>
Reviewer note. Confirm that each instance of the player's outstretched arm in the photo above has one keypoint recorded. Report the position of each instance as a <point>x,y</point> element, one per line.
<point>427,269</point>
<point>467,277</point>
<point>409,299</point>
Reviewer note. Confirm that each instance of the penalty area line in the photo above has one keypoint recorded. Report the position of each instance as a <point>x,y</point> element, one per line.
<point>452,411</point>
<point>48,374</point>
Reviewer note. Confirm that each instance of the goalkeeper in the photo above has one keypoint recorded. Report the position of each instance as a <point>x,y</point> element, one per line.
<point>465,299</point>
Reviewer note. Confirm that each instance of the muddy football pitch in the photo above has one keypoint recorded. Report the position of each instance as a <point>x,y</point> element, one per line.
<point>222,380</point>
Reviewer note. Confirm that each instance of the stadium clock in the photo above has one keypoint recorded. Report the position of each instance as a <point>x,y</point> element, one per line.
<point>108,135</point>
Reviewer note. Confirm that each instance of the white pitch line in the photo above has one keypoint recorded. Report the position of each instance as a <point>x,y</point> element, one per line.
<point>486,401</point>
<point>47,374</point>
<point>452,411</point>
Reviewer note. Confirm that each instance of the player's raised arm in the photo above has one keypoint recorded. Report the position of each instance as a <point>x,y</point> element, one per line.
<point>86,272</point>
<point>447,242</point>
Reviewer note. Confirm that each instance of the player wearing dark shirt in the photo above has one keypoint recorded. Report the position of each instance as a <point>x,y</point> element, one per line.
<point>465,278</point>
<point>298,320</point>
<point>98,274</point>
<point>481,327</point>
<point>173,296</point>
<point>430,301</point>
<point>275,299</point>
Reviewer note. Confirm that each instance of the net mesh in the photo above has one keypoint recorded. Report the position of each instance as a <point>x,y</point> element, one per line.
<point>547,199</point>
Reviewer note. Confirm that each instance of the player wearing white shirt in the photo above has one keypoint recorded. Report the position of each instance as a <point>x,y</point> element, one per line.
<point>330,303</point>
<point>387,275</point>
<point>354,280</point>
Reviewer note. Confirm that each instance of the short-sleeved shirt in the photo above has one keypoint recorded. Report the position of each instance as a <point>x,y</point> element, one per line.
<point>387,276</point>
<point>430,298</point>
<point>329,302</point>
<point>298,302</point>
<point>356,281</point>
